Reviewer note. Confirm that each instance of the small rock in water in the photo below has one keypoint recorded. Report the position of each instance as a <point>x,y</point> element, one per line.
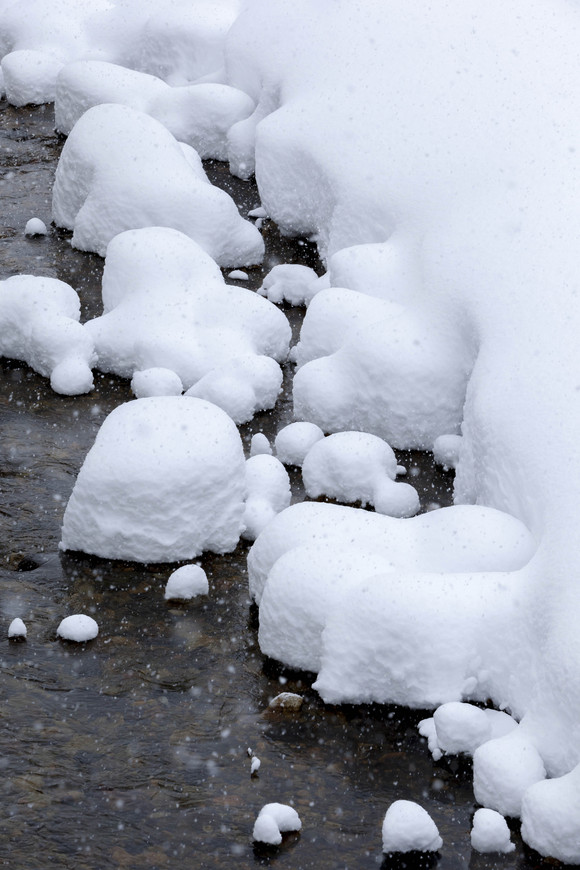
<point>273,821</point>
<point>78,627</point>
<point>35,227</point>
<point>255,766</point>
<point>260,444</point>
<point>286,701</point>
<point>238,275</point>
<point>187,582</point>
<point>17,629</point>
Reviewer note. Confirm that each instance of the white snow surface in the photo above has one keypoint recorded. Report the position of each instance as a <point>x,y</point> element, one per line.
<point>504,768</point>
<point>78,627</point>
<point>35,227</point>
<point>167,306</point>
<point>447,450</point>
<point>120,169</point>
<point>273,821</point>
<point>164,480</point>
<point>490,832</point>
<point>29,76</point>
<point>268,493</point>
<point>291,283</point>
<point>39,325</point>
<point>457,728</point>
<point>260,444</point>
<point>357,466</point>
<point>550,813</point>
<point>294,441</point>
<point>407,827</point>
<point>156,381</point>
<point>17,628</point>
<point>186,582</point>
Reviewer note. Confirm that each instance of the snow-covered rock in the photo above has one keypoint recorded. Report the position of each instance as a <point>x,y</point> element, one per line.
<point>273,821</point>
<point>550,813</point>
<point>286,701</point>
<point>503,769</point>
<point>35,227</point>
<point>490,832</point>
<point>39,325</point>
<point>166,305</point>
<point>255,765</point>
<point>294,441</point>
<point>29,76</point>
<point>457,728</point>
<point>407,827</point>
<point>291,283</point>
<point>186,582</point>
<point>164,480</point>
<point>268,493</point>
<point>17,629</point>
<point>447,450</point>
<point>357,466</point>
<point>260,444</point>
<point>120,169</point>
<point>78,627</point>
<point>156,382</point>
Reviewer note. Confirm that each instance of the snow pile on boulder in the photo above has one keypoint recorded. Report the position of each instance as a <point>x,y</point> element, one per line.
<point>186,582</point>
<point>293,442</point>
<point>199,114</point>
<point>166,305</point>
<point>356,466</point>
<point>291,283</point>
<point>78,628</point>
<point>407,827</point>
<point>39,325</point>
<point>273,821</point>
<point>120,169</point>
<point>268,493</point>
<point>490,833</point>
<point>457,728</point>
<point>164,480</point>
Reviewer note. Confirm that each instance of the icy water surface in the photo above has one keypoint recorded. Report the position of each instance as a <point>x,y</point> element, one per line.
<point>132,751</point>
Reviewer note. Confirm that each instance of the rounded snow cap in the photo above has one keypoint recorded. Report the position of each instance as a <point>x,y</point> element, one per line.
<point>407,827</point>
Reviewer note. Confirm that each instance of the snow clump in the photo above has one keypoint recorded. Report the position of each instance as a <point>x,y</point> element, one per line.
<point>293,442</point>
<point>260,445</point>
<point>164,481</point>
<point>255,765</point>
<point>291,283</point>
<point>407,827</point>
<point>490,833</point>
<point>35,227</point>
<point>268,493</point>
<point>550,813</point>
<point>29,77</point>
<point>186,582</point>
<point>17,628</point>
<point>457,728</point>
<point>356,466</point>
<point>504,768</point>
<point>273,821</point>
<point>156,381</point>
<point>166,305</point>
<point>120,169</point>
<point>79,628</point>
<point>39,325</point>
<point>447,450</point>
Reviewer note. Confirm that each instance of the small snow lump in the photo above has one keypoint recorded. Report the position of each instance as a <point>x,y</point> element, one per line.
<point>407,827</point>
<point>78,627</point>
<point>490,832</point>
<point>186,582</point>
<point>35,227</point>
<point>17,629</point>
<point>273,821</point>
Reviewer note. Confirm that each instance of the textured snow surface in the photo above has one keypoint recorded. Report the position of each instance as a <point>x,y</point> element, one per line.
<point>120,169</point>
<point>273,821</point>
<point>550,813</point>
<point>291,283</point>
<point>293,442</point>
<point>407,827</point>
<point>457,728</point>
<point>164,480</point>
<point>490,832</point>
<point>268,493</point>
<point>78,628</point>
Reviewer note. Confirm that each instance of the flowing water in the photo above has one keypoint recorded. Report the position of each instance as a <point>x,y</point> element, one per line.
<point>132,751</point>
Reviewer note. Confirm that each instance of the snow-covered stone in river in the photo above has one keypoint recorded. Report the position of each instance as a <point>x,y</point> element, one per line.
<point>79,628</point>
<point>238,275</point>
<point>17,628</point>
<point>39,325</point>
<point>198,114</point>
<point>273,821</point>
<point>503,769</point>
<point>260,444</point>
<point>268,493</point>
<point>166,305</point>
<point>255,765</point>
<point>290,282</point>
<point>294,441</point>
<point>458,728</point>
<point>550,813</point>
<point>29,76</point>
<point>407,827</point>
<point>186,582</point>
<point>446,450</point>
<point>356,466</point>
<point>286,701</point>
<point>490,832</point>
<point>156,382</point>
<point>164,480</point>
<point>120,169</point>
<point>35,227</point>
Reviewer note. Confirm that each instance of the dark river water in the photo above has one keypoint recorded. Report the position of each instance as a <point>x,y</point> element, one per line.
<point>132,751</point>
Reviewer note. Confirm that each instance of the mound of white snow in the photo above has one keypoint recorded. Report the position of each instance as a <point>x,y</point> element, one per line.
<point>357,466</point>
<point>447,450</point>
<point>268,493</point>
<point>166,305</point>
<point>273,821</point>
<point>259,445</point>
<point>293,442</point>
<point>35,227</point>
<point>17,628</point>
<point>457,728</point>
<point>39,325</point>
<point>291,283</point>
<point>29,77</point>
<point>120,169</point>
<point>550,813</point>
<point>490,832</point>
<point>504,768</point>
<point>186,582</point>
<point>79,628</point>
<point>164,480</point>
<point>407,827</point>
<point>156,382</point>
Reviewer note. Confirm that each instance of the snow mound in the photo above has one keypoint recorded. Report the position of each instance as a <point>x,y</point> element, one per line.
<point>490,832</point>
<point>382,367</point>
<point>293,442</point>
<point>273,821</point>
<point>389,610</point>
<point>291,283</point>
<point>39,325</point>
<point>29,77</point>
<point>166,305</point>
<point>457,728</point>
<point>17,628</point>
<point>120,169</point>
<point>164,480</point>
<point>260,445</point>
<point>78,628</point>
<point>35,227</point>
<point>356,466</point>
<point>407,827</point>
<point>187,582</point>
<point>199,114</point>
<point>504,768</point>
<point>550,813</point>
<point>156,382</point>
<point>447,450</point>
<point>268,493</point>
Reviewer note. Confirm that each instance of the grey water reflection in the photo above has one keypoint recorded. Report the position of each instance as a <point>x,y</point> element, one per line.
<point>132,750</point>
